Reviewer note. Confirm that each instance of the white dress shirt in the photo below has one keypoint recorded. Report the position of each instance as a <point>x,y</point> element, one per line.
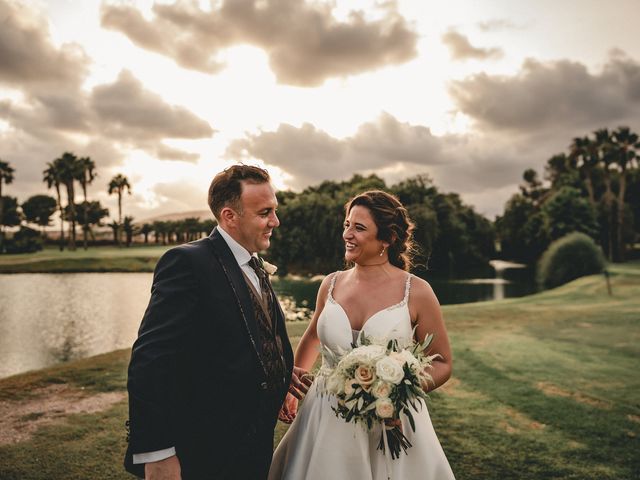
<point>242,256</point>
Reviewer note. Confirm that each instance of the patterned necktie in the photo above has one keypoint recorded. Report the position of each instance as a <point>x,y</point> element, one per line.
<point>264,282</point>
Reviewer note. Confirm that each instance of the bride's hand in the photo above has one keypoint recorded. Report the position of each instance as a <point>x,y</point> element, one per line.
<point>301,380</point>
<point>391,423</point>
<point>289,409</point>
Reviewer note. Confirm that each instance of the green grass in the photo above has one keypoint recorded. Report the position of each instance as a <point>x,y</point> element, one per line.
<point>95,259</point>
<point>544,387</point>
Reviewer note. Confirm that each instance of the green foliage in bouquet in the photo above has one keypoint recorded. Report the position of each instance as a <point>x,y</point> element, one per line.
<point>570,257</point>
<point>377,382</point>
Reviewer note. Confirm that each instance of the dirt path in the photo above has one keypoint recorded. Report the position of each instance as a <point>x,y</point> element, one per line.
<point>20,419</point>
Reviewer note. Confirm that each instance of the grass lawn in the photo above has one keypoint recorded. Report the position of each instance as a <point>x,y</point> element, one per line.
<point>544,387</point>
<point>137,258</point>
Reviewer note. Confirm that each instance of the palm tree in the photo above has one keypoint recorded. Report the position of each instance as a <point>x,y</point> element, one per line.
<point>117,185</point>
<point>6,176</point>
<point>52,179</point>
<point>145,230</point>
<point>69,169</point>
<point>625,144</point>
<point>583,152</point>
<point>603,149</point>
<point>87,174</point>
<point>129,229</point>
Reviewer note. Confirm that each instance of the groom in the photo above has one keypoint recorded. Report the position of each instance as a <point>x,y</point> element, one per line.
<point>212,363</point>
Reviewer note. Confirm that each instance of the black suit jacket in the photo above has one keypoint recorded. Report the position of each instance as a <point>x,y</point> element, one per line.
<point>196,379</point>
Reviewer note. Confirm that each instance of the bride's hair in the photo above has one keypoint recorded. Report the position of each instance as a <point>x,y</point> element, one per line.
<point>393,222</point>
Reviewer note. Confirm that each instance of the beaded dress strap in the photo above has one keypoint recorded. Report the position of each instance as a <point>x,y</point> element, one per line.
<point>331,285</point>
<point>407,287</point>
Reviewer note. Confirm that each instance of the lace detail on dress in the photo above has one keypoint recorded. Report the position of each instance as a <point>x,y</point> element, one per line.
<point>331,285</point>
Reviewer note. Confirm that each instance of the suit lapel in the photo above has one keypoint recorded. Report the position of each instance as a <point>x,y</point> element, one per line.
<point>236,279</point>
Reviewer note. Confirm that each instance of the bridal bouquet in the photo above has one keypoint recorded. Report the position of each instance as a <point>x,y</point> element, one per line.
<point>378,381</point>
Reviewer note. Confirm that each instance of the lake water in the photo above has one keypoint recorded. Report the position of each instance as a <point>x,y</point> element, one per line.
<point>51,318</point>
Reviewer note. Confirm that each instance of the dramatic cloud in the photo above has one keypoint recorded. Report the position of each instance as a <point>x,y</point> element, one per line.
<point>131,112</point>
<point>27,56</point>
<point>461,48</point>
<point>484,168</point>
<point>548,96</point>
<point>305,43</point>
<point>310,155</point>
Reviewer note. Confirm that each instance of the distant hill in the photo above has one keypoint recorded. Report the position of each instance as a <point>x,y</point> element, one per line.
<point>172,217</point>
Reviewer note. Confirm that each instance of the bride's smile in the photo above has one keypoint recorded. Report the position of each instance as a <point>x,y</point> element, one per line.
<point>360,235</point>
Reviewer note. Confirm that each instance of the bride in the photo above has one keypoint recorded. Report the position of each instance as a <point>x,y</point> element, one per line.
<point>378,298</point>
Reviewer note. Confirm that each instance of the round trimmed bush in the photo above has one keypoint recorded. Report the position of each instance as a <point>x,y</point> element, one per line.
<point>25,240</point>
<point>572,256</point>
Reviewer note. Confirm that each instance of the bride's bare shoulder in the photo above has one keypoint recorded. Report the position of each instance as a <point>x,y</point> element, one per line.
<point>421,289</point>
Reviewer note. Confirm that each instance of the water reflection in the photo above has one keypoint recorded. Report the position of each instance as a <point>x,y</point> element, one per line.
<point>50,318</point>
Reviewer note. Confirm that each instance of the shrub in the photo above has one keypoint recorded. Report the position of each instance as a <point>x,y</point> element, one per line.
<point>568,258</point>
<point>25,240</point>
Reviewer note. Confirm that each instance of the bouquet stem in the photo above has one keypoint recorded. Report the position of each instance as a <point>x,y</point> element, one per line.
<point>392,440</point>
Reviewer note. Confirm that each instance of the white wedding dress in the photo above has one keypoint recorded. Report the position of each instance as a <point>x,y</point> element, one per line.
<point>321,446</point>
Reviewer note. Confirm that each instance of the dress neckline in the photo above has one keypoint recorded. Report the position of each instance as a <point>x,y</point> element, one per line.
<point>401,303</point>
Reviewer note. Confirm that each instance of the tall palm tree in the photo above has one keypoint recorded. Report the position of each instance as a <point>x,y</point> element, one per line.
<point>117,185</point>
<point>86,175</point>
<point>52,179</point>
<point>603,150</point>
<point>6,176</point>
<point>625,144</point>
<point>68,167</point>
<point>584,152</point>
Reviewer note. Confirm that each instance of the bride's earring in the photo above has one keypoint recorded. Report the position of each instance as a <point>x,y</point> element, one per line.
<point>382,251</point>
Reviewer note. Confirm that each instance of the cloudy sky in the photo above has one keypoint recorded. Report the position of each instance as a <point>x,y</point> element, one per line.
<point>170,92</point>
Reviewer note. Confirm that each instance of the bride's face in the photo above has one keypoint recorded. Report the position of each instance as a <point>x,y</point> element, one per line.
<point>360,236</point>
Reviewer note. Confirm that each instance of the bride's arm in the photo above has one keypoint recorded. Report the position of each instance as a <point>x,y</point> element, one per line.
<point>427,316</point>
<point>307,350</point>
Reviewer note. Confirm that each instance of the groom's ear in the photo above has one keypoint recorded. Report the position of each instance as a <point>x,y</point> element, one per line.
<point>227,215</point>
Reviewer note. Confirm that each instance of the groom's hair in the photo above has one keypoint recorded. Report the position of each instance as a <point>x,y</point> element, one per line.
<point>226,186</point>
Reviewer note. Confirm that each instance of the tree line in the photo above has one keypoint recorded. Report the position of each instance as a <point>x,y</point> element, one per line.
<point>593,188</point>
<point>450,235</point>
<point>65,175</point>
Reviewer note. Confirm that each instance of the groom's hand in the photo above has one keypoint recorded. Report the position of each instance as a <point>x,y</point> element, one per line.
<point>287,413</point>
<point>301,380</point>
<point>167,469</point>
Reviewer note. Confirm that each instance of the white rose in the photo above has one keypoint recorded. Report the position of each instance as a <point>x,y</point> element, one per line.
<point>269,267</point>
<point>384,408</point>
<point>364,376</point>
<point>389,370</point>
<point>368,353</point>
<point>381,389</point>
<point>408,357</point>
<point>334,384</point>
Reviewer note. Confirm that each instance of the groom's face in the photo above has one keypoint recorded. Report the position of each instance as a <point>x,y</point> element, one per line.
<point>258,218</point>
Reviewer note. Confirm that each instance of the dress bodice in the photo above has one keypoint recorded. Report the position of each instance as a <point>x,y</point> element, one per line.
<point>393,322</point>
<point>319,445</point>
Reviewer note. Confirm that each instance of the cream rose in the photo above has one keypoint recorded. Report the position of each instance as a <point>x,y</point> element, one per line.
<point>384,408</point>
<point>389,370</point>
<point>348,387</point>
<point>381,389</point>
<point>364,376</point>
